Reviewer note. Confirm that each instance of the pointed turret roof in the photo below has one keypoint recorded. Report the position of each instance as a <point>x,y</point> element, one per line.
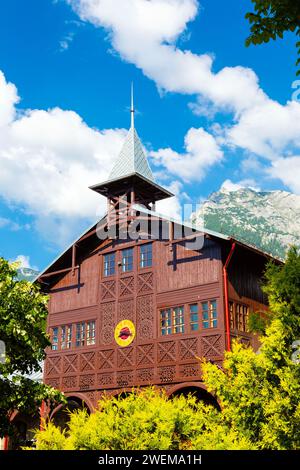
<point>132,159</point>
<point>132,167</point>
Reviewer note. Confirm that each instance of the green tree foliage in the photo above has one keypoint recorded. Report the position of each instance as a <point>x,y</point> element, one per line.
<point>271,19</point>
<point>23,313</point>
<point>259,394</point>
<point>144,420</point>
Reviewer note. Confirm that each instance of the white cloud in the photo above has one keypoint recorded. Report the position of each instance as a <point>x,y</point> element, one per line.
<point>24,262</point>
<point>229,185</point>
<point>48,159</point>
<point>268,129</point>
<point>8,99</point>
<point>202,151</point>
<point>172,207</point>
<point>146,32</point>
<point>288,171</point>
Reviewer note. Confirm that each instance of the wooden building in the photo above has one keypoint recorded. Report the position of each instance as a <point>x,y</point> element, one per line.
<point>133,311</point>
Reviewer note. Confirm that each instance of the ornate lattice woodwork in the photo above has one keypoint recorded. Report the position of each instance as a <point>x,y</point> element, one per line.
<point>70,382</point>
<point>53,365</point>
<point>125,379</point>
<point>106,379</point>
<point>212,346</point>
<point>87,361</point>
<point>70,363</point>
<point>188,349</point>
<point>86,381</point>
<point>145,283</point>
<point>125,357</point>
<point>126,286</point>
<point>126,310</point>
<point>189,370</point>
<point>92,396</point>
<point>145,375</point>
<point>53,382</point>
<point>107,322</point>
<point>167,374</point>
<point>108,290</point>
<point>166,352</point>
<point>145,317</point>
<point>106,359</point>
<point>145,354</point>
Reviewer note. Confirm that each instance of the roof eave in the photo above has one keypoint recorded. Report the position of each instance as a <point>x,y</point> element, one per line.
<point>96,187</point>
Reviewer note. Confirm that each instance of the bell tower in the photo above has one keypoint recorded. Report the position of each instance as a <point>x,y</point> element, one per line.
<point>130,181</point>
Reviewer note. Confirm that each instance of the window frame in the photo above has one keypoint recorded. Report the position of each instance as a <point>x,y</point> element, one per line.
<point>239,316</point>
<point>68,336</point>
<point>140,248</point>
<point>90,337</point>
<point>173,325</point>
<point>82,338</point>
<point>213,318</point>
<point>52,336</point>
<point>194,322</point>
<point>129,249</point>
<point>110,254</point>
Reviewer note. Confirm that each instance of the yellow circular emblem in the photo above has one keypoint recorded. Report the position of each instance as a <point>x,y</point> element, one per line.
<point>124,333</point>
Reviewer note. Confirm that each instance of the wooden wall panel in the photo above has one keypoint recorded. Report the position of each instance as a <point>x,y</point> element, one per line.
<point>78,291</point>
<point>245,275</point>
<point>183,268</point>
<point>73,316</point>
<point>191,294</point>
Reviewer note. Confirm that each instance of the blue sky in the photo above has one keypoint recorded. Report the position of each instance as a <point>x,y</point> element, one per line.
<point>209,110</point>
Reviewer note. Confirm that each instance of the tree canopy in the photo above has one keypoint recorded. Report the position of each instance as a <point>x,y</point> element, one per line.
<point>23,313</point>
<point>271,19</point>
<point>260,392</point>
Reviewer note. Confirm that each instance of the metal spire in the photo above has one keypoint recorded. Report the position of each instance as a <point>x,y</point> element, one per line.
<point>132,107</point>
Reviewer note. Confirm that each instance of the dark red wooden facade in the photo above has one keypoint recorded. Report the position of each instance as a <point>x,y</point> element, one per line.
<point>178,277</point>
<point>178,282</point>
<point>220,281</point>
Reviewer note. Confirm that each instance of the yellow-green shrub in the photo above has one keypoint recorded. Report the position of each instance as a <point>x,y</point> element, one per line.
<point>144,420</point>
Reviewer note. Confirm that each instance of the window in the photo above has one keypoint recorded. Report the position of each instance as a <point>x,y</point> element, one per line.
<point>178,319</point>
<point>54,346</point>
<point>242,317</point>
<point>127,260</point>
<point>239,317</point>
<point>231,315</point>
<point>109,264</point>
<point>194,317</point>
<point>80,334</point>
<point>166,322</point>
<point>61,337</point>
<point>146,255</point>
<point>172,321</point>
<point>209,314</point>
<point>66,337</point>
<point>90,333</point>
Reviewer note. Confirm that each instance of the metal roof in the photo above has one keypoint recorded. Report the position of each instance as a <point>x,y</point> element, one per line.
<point>143,209</point>
<point>200,229</point>
<point>36,376</point>
<point>131,159</point>
<point>203,229</point>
